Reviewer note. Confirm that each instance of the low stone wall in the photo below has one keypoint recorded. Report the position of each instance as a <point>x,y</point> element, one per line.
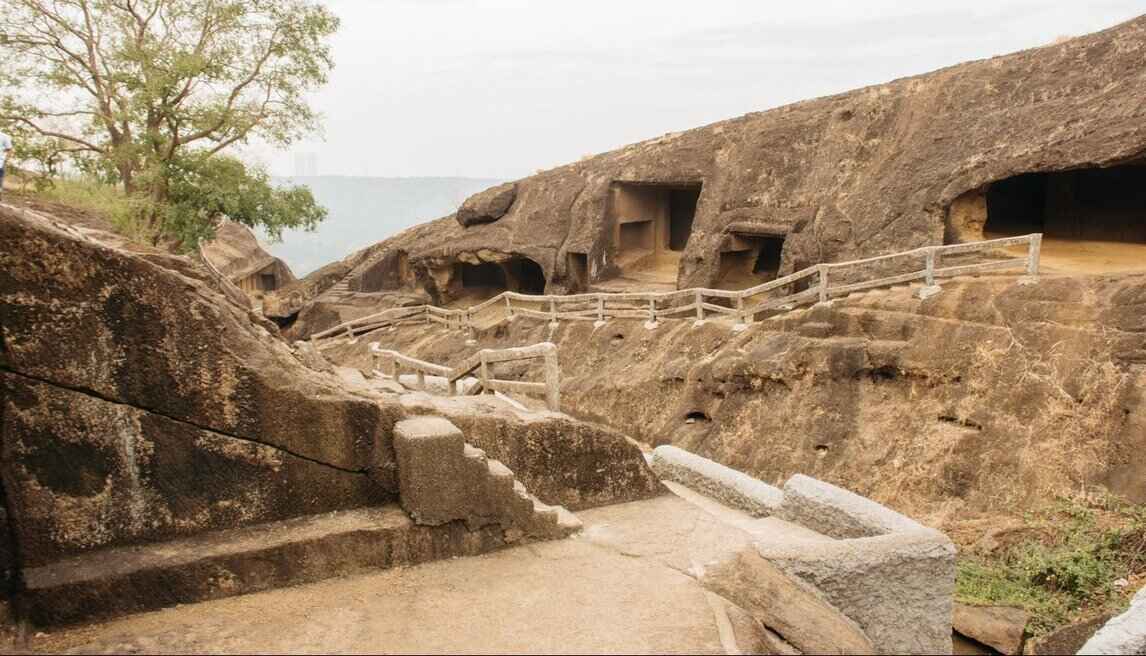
<point>878,582</point>
<point>1124,634</point>
<point>838,513</point>
<point>733,488</point>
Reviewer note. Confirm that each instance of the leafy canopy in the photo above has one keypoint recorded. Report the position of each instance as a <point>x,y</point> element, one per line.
<point>146,92</point>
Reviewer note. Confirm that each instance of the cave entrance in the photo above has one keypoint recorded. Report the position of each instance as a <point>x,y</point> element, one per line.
<point>652,225</point>
<point>485,275</point>
<point>1092,219</point>
<point>525,276</point>
<point>577,267</point>
<point>750,256</point>
<point>488,279</point>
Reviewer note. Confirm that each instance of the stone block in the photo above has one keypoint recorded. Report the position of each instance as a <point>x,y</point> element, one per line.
<point>433,479</point>
<point>898,587</point>
<point>733,488</point>
<point>1125,634</point>
<point>838,513</point>
<point>998,627</point>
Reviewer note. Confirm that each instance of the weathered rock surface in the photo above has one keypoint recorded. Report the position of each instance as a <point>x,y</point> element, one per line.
<point>1000,627</point>
<point>873,170</point>
<point>561,460</point>
<point>140,404</point>
<point>1037,389</point>
<point>734,489</point>
<point>837,512</point>
<point>487,206</point>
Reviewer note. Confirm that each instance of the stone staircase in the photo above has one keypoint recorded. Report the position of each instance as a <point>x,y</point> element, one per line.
<point>442,479</point>
<point>454,502</point>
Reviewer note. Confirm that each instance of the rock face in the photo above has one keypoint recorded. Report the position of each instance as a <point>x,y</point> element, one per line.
<point>874,170</point>
<point>140,404</point>
<point>872,404</point>
<point>487,206</point>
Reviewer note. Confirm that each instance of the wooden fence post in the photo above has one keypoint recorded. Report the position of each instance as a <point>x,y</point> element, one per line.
<point>553,310</point>
<point>823,269</point>
<point>552,380</point>
<point>699,306</point>
<point>741,315</point>
<point>652,310</point>
<point>1033,253</point>
<point>600,308</point>
<point>483,374</point>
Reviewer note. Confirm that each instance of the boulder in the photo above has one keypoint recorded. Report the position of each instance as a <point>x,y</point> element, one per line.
<point>999,627</point>
<point>487,206</point>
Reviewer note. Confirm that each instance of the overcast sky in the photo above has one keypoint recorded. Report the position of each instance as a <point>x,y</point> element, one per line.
<point>501,88</point>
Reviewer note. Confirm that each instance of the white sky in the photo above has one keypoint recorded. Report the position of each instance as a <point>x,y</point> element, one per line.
<point>501,88</point>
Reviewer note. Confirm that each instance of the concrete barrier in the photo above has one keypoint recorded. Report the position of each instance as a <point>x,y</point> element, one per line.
<point>733,488</point>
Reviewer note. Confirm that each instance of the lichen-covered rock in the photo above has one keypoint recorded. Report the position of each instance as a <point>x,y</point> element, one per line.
<point>487,206</point>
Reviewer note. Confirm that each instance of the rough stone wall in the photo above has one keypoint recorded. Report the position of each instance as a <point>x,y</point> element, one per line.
<point>869,171</point>
<point>139,403</point>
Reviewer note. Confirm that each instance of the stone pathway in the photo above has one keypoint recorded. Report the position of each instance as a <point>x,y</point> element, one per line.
<point>626,584</point>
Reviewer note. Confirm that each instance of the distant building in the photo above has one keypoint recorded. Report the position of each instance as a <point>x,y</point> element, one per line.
<point>236,253</point>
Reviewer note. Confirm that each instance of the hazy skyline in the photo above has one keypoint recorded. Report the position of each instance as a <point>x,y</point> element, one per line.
<point>501,88</point>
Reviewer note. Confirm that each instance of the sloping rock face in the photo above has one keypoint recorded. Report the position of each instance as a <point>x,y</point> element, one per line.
<point>140,404</point>
<point>875,170</point>
<point>991,396</point>
<point>237,254</point>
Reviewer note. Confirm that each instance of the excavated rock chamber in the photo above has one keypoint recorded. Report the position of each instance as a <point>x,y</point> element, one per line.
<point>1093,220</point>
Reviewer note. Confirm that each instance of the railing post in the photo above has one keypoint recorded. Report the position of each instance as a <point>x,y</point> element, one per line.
<point>929,287</point>
<point>508,308</point>
<point>553,311</point>
<point>652,312</point>
<point>600,308</point>
<point>471,334</point>
<point>823,269</point>
<point>741,315</point>
<point>1034,250</point>
<point>395,370</point>
<point>699,306</point>
<point>483,374</point>
<point>421,380</point>
<point>552,380</point>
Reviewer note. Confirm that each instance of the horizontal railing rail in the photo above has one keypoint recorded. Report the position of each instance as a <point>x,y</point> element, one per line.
<point>482,363</point>
<point>818,283</point>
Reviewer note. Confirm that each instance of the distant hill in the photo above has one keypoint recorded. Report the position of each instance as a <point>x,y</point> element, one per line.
<point>367,210</point>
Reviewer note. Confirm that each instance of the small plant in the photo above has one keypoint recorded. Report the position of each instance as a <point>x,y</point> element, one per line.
<point>1069,569</point>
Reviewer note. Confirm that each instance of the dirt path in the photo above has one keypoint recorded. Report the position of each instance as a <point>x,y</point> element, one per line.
<point>1082,256</point>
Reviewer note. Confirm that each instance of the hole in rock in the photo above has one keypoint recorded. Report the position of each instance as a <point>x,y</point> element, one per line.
<point>696,416</point>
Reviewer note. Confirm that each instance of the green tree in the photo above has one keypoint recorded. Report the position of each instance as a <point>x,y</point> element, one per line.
<point>144,91</point>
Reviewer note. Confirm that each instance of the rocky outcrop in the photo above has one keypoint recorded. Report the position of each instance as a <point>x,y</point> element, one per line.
<point>874,170</point>
<point>487,206</point>
<point>140,404</point>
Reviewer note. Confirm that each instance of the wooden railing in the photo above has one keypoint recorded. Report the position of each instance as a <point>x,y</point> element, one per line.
<point>481,362</point>
<point>818,283</point>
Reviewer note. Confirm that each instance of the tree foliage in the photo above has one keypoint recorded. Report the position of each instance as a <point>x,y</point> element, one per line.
<point>145,91</point>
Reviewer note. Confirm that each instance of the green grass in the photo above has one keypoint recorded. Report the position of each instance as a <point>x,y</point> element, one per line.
<point>127,214</point>
<point>1066,569</point>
